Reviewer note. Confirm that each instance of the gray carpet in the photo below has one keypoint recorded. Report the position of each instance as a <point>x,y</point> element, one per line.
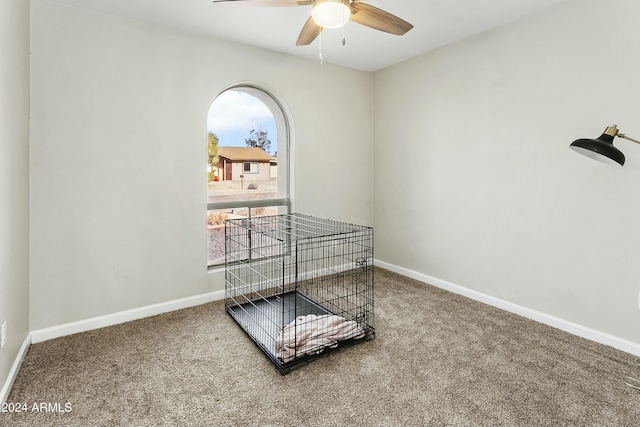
<point>438,359</point>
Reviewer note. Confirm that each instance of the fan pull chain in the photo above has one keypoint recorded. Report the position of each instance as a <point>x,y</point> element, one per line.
<point>321,58</point>
<point>343,37</point>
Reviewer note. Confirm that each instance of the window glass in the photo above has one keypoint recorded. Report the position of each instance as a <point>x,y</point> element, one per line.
<point>247,161</point>
<point>252,168</point>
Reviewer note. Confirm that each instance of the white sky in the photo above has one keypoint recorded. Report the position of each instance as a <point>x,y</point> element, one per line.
<point>234,113</point>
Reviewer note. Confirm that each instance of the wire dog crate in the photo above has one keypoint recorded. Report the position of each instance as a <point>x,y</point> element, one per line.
<point>299,285</point>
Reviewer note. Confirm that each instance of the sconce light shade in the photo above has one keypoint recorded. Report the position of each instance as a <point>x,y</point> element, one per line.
<point>331,13</point>
<point>601,148</point>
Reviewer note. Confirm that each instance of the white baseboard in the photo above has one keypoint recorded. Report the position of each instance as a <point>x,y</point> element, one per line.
<point>4,394</point>
<point>556,322</point>
<point>58,331</point>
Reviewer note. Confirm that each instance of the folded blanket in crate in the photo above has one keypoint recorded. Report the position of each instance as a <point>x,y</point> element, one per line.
<point>311,334</point>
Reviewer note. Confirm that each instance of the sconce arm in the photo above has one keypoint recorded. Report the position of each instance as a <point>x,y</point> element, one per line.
<point>622,135</point>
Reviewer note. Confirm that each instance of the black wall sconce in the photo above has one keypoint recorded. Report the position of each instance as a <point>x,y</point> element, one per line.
<point>602,148</point>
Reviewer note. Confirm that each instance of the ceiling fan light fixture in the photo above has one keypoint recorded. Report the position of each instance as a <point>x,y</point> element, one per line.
<point>331,13</point>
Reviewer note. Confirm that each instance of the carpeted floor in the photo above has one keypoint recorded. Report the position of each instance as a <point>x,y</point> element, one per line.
<point>438,359</point>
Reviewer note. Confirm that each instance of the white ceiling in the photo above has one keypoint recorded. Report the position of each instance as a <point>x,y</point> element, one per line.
<point>436,23</point>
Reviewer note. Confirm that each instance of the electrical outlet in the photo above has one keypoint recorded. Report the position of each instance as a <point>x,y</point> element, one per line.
<point>3,335</point>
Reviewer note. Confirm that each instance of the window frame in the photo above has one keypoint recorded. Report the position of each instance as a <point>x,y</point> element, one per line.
<point>257,169</point>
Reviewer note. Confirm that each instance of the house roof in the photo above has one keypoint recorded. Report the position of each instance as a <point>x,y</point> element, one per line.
<point>245,154</point>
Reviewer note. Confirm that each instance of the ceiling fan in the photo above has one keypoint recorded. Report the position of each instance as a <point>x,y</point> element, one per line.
<point>333,14</point>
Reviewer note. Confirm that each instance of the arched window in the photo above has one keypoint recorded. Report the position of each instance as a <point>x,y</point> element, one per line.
<point>247,161</point>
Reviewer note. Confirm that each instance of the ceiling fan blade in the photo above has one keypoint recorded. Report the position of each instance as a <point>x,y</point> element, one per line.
<point>309,32</point>
<point>378,19</point>
<point>261,3</point>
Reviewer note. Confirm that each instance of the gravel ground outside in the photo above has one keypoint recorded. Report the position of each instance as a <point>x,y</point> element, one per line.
<point>216,246</point>
<point>215,253</point>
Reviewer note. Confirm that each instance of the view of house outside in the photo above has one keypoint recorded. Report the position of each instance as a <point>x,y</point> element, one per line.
<point>242,164</point>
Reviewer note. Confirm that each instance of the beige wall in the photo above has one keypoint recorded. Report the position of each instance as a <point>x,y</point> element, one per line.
<point>14,180</point>
<point>119,113</point>
<point>484,191</point>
